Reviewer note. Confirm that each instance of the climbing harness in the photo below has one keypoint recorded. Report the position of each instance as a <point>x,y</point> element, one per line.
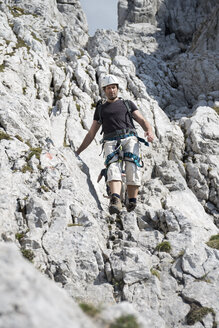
<point>127,156</point>
<point>118,135</point>
<point>136,159</point>
<point>123,136</point>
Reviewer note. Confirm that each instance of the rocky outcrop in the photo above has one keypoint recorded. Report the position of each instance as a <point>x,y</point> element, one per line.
<point>22,283</point>
<point>171,16</point>
<point>200,63</point>
<point>157,264</point>
<point>166,29</point>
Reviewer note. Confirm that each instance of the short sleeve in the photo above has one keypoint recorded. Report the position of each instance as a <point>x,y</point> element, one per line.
<point>132,106</point>
<point>97,113</point>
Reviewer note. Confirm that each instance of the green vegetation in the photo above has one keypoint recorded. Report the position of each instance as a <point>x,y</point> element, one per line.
<point>4,135</point>
<point>28,254</point>
<point>16,11</point>
<point>155,273</point>
<point>28,143</point>
<point>35,37</point>
<point>78,107</point>
<point>126,321</point>
<point>75,225</point>
<point>44,188</point>
<point>164,247</point>
<point>65,143</point>
<point>214,242</point>
<point>50,110</point>
<point>89,309</point>
<point>26,168</point>
<point>19,236</point>
<point>82,124</point>
<point>81,53</point>
<point>21,44</point>
<point>2,67</point>
<point>109,227</point>
<point>197,313</point>
<point>19,138</point>
<point>34,151</point>
<point>39,167</point>
<point>216,109</point>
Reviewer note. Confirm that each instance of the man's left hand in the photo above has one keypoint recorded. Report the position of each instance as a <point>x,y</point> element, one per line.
<point>150,136</point>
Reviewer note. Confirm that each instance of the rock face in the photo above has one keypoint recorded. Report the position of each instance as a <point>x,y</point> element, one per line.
<point>170,15</point>
<point>22,283</point>
<point>177,27</point>
<point>155,264</point>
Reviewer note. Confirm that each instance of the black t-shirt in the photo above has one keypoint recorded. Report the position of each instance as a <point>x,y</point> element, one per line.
<point>115,116</point>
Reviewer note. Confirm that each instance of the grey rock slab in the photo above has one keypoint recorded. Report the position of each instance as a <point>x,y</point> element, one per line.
<point>130,265</point>
<point>50,72</point>
<point>206,294</point>
<point>121,310</point>
<point>28,299</point>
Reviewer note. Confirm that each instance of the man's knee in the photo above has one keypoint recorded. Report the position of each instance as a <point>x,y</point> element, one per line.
<point>114,172</point>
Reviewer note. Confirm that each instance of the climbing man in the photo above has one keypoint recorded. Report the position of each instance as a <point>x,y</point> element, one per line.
<point>120,142</point>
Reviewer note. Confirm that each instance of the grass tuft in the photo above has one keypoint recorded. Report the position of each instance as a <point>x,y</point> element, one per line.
<point>216,109</point>
<point>19,138</point>
<point>125,321</point>
<point>214,242</point>
<point>197,313</point>
<point>164,247</point>
<point>28,254</point>
<point>75,225</point>
<point>26,168</point>
<point>19,236</point>
<point>155,273</point>
<point>34,151</point>
<point>4,135</point>
<point>89,309</point>
<point>2,68</point>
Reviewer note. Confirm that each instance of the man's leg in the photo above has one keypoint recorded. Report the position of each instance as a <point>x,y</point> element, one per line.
<point>132,197</point>
<point>115,186</point>
<point>132,191</point>
<point>114,178</point>
<point>115,205</point>
<point>133,174</point>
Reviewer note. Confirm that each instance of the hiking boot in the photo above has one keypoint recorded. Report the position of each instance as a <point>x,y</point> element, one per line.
<point>130,206</point>
<point>115,205</point>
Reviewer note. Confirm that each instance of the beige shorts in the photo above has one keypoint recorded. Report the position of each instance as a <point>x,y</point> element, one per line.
<point>114,172</point>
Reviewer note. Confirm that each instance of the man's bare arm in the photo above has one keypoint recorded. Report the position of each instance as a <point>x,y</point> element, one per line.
<point>89,137</point>
<point>144,124</point>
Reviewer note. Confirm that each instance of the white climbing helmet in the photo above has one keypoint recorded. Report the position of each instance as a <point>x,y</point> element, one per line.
<point>109,79</point>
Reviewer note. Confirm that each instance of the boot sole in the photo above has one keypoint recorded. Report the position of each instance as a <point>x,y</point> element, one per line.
<point>114,210</point>
<point>131,209</point>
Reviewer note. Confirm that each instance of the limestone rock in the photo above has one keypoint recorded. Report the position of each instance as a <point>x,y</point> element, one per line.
<point>147,263</point>
<point>32,300</point>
